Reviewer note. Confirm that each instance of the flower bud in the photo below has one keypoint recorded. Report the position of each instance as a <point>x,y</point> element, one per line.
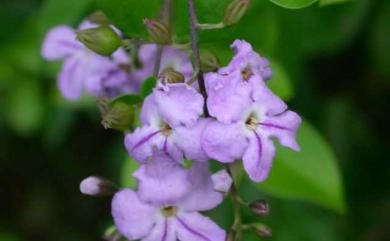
<point>116,115</point>
<point>259,207</point>
<point>263,230</point>
<point>112,234</point>
<point>158,31</point>
<point>169,75</point>
<point>221,181</point>
<point>102,40</point>
<point>97,186</point>
<point>99,18</point>
<point>209,61</point>
<point>231,236</point>
<point>235,11</point>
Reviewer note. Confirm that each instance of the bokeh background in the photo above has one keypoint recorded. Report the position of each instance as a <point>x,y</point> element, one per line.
<point>335,58</point>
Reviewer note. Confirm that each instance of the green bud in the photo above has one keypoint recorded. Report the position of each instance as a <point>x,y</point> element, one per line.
<point>169,75</point>
<point>260,207</point>
<point>158,31</point>
<point>235,11</point>
<point>209,61</point>
<point>112,234</point>
<point>262,230</point>
<point>99,18</point>
<point>102,40</point>
<point>116,115</point>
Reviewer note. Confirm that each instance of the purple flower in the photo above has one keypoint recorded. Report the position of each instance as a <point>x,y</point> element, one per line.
<point>248,62</point>
<point>249,137</point>
<point>170,122</point>
<point>83,70</point>
<point>150,219</point>
<point>171,58</point>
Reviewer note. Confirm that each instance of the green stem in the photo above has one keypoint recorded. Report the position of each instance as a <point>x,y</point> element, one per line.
<point>236,200</point>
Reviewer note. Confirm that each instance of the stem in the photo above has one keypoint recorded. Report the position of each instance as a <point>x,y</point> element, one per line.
<point>196,55</point>
<point>157,62</point>
<point>237,224</point>
<point>160,49</point>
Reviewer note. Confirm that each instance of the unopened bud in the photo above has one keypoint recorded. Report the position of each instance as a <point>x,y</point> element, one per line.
<point>221,181</point>
<point>259,207</point>
<point>263,230</point>
<point>235,11</point>
<point>209,61</point>
<point>117,115</point>
<point>169,75</point>
<point>231,236</point>
<point>102,40</point>
<point>97,186</point>
<point>112,234</point>
<point>158,31</point>
<point>99,18</point>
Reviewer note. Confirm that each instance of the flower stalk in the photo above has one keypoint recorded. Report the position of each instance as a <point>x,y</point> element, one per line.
<point>195,53</point>
<point>236,200</point>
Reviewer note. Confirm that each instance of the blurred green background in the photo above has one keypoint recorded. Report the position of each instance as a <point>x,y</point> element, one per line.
<point>331,63</point>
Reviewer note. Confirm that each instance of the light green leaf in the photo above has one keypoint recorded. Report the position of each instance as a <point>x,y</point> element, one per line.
<point>280,83</point>
<point>129,166</point>
<point>294,4</point>
<point>310,175</point>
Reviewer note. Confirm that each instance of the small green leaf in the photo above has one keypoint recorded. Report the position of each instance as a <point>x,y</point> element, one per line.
<point>280,83</point>
<point>310,175</point>
<point>128,168</point>
<point>147,86</point>
<point>294,4</point>
<point>127,99</point>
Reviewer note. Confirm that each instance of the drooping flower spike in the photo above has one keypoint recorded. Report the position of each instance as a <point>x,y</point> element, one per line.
<point>149,218</point>
<point>83,71</point>
<point>171,122</point>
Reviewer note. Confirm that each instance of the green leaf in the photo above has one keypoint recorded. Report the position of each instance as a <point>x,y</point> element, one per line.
<point>25,107</point>
<point>379,40</point>
<point>294,4</point>
<point>310,175</point>
<point>127,99</point>
<point>329,2</point>
<point>319,30</point>
<point>129,166</point>
<point>280,83</point>
<point>147,86</point>
<point>128,15</point>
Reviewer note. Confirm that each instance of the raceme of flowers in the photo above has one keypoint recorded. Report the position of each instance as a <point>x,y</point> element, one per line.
<point>245,118</point>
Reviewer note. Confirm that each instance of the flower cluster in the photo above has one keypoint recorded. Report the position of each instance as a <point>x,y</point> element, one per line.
<point>85,72</point>
<point>243,118</point>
